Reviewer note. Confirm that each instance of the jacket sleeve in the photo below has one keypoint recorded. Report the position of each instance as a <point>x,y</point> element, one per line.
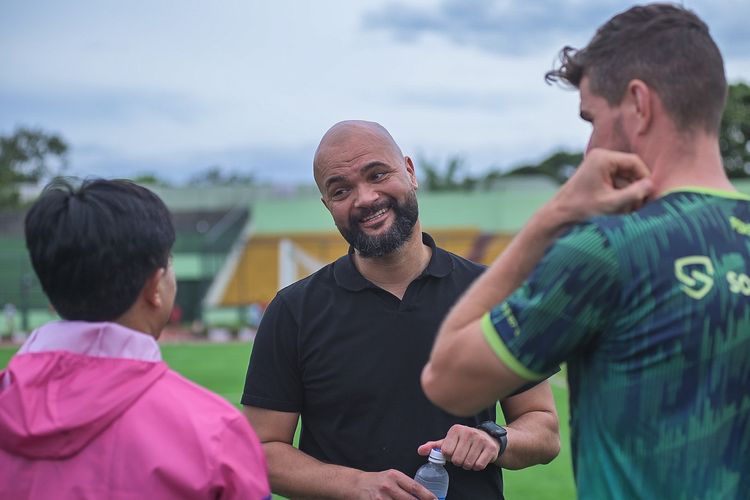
<point>241,471</point>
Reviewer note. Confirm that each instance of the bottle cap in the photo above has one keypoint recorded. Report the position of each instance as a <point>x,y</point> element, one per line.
<point>436,456</point>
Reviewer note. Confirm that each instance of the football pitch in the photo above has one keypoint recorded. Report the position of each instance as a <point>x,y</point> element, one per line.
<point>221,368</point>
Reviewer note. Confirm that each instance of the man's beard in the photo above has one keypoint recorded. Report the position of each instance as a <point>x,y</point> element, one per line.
<point>383,244</point>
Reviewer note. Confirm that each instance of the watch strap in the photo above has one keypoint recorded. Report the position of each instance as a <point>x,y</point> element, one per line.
<point>496,431</point>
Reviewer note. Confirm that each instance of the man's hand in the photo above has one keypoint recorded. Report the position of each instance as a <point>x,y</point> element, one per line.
<point>389,484</point>
<point>465,447</point>
<point>606,182</point>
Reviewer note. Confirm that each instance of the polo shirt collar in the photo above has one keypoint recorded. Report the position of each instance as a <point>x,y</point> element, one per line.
<point>347,276</point>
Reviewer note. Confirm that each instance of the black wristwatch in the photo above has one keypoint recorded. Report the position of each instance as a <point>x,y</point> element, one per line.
<point>496,431</point>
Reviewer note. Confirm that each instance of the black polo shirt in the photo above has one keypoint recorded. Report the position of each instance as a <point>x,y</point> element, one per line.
<point>347,356</point>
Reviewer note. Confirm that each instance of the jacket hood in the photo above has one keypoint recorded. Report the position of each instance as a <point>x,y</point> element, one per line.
<point>53,403</point>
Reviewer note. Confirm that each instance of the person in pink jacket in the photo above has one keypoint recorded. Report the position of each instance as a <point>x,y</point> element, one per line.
<point>87,407</point>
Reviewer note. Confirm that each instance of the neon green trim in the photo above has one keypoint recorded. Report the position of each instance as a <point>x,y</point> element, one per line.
<point>722,193</point>
<point>502,352</point>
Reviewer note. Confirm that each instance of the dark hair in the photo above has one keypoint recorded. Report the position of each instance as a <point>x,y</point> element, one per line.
<point>666,46</point>
<point>94,247</point>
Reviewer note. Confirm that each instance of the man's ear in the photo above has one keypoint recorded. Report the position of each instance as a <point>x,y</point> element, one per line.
<point>152,291</point>
<point>641,98</point>
<point>412,173</point>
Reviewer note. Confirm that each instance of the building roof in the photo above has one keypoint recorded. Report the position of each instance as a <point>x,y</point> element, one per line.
<point>504,209</point>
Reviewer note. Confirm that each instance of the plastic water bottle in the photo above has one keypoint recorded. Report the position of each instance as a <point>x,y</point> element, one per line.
<point>433,475</point>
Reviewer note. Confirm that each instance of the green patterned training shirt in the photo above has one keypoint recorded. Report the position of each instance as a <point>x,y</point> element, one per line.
<point>651,313</point>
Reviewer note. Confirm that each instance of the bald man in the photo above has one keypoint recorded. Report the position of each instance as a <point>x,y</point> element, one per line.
<point>343,349</point>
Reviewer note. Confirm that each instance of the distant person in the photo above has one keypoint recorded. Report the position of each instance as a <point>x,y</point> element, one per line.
<point>344,348</point>
<point>9,313</point>
<point>197,328</point>
<point>175,317</point>
<point>650,310</point>
<point>87,407</point>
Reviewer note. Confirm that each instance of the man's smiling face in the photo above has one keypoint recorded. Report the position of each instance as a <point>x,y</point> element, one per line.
<point>368,187</point>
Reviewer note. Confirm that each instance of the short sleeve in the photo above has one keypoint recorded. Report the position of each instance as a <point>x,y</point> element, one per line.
<point>273,379</point>
<point>565,304</point>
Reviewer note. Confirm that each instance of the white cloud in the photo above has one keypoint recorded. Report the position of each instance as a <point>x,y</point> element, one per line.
<point>177,86</point>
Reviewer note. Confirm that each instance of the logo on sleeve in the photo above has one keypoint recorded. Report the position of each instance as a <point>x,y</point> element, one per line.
<point>695,273</point>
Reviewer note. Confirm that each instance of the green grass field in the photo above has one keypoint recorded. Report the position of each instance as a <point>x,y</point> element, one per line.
<point>221,368</point>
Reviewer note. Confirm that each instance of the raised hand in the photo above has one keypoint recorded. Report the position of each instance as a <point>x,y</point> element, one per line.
<point>606,182</point>
<point>465,447</point>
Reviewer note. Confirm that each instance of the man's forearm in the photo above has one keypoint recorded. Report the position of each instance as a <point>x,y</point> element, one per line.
<point>295,474</point>
<point>454,361</point>
<point>508,272</point>
<point>596,188</point>
<point>463,374</point>
<point>533,439</point>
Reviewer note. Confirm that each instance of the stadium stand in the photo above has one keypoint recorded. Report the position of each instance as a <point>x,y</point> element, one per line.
<point>236,246</point>
<point>203,240</point>
<point>476,225</point>
<point>18,284</point>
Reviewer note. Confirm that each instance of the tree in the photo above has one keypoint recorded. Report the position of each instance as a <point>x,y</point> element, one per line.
<point>734,134</point>
<point>28,155</point>
<point>734,141</point>
<point>216,176</point>
<point>451,177</point>
<point>559,166</point>
<point>150,179</point>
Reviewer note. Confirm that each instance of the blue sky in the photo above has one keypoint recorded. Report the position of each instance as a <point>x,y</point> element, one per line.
<point>172,87</point>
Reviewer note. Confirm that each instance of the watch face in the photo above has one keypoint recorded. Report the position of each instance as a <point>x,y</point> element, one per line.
<point>493,429</point>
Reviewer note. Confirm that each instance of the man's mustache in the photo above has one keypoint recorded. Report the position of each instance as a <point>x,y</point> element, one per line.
<point>363,212</point>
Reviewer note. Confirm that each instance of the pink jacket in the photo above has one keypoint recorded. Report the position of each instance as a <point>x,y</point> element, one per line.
<point>89,410</point>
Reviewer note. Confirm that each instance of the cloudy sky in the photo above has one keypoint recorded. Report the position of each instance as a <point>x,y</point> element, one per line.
<point>172,87</point>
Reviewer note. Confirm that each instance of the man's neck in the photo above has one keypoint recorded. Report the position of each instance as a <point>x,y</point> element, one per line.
<point>692,161</point>
<point>395,271</point>
<point>139,318</point>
